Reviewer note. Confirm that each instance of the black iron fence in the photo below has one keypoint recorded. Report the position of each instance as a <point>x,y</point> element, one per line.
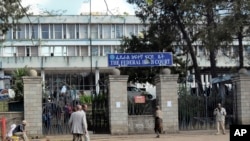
<point>196,111</point>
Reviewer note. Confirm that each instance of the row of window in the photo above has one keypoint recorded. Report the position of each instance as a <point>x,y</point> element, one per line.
<point>96,51</point>
<point>57,51</point>
<point>200,51</point>
<point>74,31</point>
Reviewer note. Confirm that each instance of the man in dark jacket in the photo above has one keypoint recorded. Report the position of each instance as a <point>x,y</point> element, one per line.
<point>20,130</point>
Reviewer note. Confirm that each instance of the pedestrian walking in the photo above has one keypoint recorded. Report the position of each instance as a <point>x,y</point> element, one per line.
<point>78,123</point>
<point>220,113</point>
<point>86,135</point>
<point>158,122</point>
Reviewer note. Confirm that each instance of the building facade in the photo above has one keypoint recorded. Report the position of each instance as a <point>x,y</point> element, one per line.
<point>67,50</point>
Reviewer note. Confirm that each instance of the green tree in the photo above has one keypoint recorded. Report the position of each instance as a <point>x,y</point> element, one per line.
<point>157,38</point>
<point>10,12</point>
<point>18,82</point>
<point>173,16</point>
<point>236,22</point>
<point>196,23</point>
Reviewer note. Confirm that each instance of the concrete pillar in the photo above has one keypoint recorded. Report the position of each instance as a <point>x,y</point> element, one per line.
<point>33,105</point>
<point>241,83</point>
<point>2,79</point>
<point>97,77</point>
<point>166,93</point>
<point>118,106</point>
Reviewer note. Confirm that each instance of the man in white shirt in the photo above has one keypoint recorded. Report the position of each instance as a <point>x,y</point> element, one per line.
<point>220,114</point>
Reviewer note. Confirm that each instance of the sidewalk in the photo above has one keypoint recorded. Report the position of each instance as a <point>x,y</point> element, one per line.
<point>199,135</point>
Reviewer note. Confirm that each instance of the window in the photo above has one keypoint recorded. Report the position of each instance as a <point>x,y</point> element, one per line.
<point>34,51</point>
<point>70,32</point>
<point>113,31</point>
<point>71,51</point>
<point>107,50</point>
<point>58,31</point>
<point>119,31</point>
<point>84,51</point>
<point>45,51</point>
<point>100,32</point>
<point>77,32</point>
<point>65,36</point>
<point>136,30</point>
<point>94,31</point>
<point>27,30</point>
<point>83,32</point>
<point>106,31</point>
<point>21,51</point>
<point>51,32</point>
<point>95,50</point>
<point>28,51</point>
<point>129,30</point>
<point>21,32</point>
<point>235,51</point>
<point>247,50</point>
<point>9,51</point>
<point>34,34</point>
<point>9,35</point>
<point>45,31</point>
<point>58,51</point>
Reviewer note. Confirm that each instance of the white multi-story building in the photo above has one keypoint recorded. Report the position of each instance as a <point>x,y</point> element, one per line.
<point>68,48</point>
<point>65,48</point>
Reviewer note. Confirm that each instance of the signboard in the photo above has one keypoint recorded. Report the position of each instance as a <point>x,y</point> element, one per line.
<point>140,99</point>
<point>140,59</point>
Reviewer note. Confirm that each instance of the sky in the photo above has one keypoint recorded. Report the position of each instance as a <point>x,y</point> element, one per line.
<point>75,7</point>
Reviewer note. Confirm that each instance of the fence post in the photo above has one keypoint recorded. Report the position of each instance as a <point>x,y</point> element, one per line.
<point>3,127</point>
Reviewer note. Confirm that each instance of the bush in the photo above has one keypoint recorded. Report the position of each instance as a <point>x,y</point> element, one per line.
<point>86,99</point>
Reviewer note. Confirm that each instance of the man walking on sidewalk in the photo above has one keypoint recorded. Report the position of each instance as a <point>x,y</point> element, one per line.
<point>78,123</point>
<point>220,114</point>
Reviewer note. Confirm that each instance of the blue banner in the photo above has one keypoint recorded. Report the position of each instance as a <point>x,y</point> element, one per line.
<point>140,59</point>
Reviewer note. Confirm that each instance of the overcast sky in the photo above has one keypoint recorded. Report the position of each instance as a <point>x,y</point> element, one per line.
<point>75,7</point>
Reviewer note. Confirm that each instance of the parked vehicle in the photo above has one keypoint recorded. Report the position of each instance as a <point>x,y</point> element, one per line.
<point>134,91</point>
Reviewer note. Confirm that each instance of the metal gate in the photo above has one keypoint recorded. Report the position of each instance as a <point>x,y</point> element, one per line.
<point>100,110</point>
<point>57,108</point>
<point>196,110</point>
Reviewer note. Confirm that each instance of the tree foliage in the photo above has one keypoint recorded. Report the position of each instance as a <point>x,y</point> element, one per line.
<point>211,25</point>
<point>18,86</point>
<point>10,12</point>
<point>236,22</point>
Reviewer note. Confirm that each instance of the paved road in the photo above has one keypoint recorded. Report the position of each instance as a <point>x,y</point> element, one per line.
<point>200,135</point>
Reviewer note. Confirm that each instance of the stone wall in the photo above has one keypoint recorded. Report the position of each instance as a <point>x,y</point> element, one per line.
<point>140,124</point>
<point>12,118</point>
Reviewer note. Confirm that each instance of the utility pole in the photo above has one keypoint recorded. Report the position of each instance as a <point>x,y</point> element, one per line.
<point>90,45</point>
